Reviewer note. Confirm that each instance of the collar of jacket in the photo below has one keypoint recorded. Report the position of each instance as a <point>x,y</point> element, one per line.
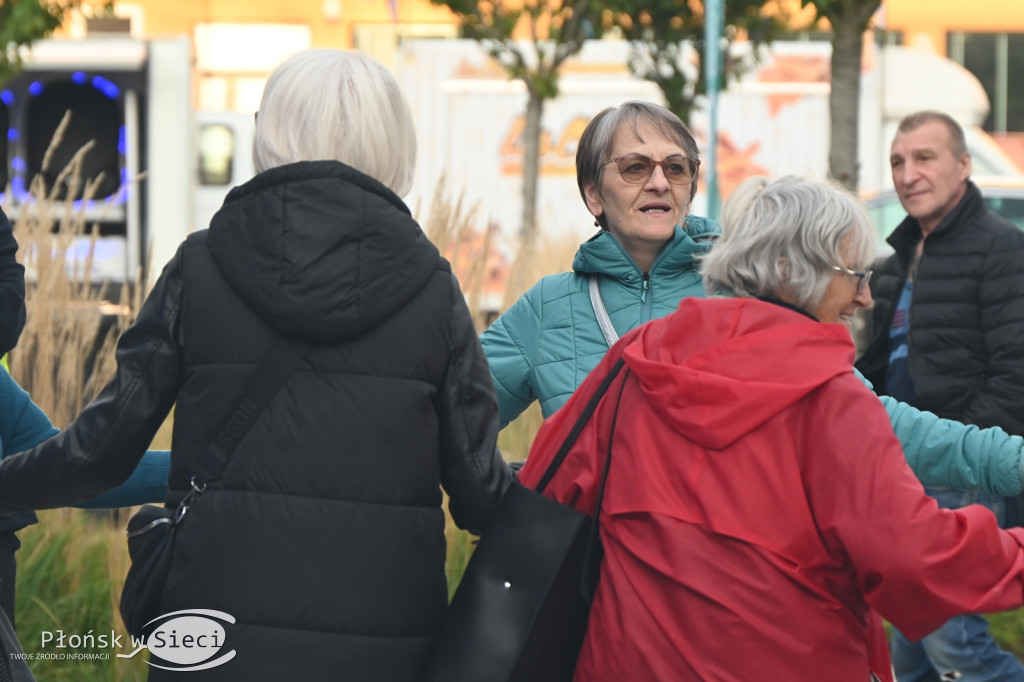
<point>728,293</point>
<point>906,236</point>
<point>603,254</point>
<point>313,170</point>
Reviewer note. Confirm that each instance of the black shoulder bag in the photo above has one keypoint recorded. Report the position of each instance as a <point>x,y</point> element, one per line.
<point>152,529</point>
<point>521,610</point>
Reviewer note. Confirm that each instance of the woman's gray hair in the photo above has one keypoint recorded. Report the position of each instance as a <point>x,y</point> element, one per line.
<point>596,142</point>
<point>781,238</point>
<point>343,106</point>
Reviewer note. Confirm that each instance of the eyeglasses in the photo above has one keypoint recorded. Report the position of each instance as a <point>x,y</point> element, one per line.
<point>637,168</point>
<point>864,277</point>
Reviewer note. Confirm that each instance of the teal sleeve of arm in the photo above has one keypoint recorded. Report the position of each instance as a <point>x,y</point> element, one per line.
<point>23,424</point>
<point>30,426</point>
<point>508,358</point>
<point>947,454</point>
<point>147,484</point>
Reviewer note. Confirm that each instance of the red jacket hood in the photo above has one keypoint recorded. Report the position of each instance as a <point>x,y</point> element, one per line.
<point>720,368</point>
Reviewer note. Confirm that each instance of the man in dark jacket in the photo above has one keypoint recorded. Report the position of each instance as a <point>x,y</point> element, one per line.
<point>949,338</point>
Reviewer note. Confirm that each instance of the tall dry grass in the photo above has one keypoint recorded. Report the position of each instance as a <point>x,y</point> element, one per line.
<point>65,354</point>
<point>72,563</point>
<point>454,227</point>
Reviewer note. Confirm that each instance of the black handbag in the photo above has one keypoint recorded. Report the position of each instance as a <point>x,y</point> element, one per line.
<point>520,612</point>
<point>152,529</point>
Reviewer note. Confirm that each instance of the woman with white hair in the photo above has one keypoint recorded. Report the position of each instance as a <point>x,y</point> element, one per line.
<point>757,505</point>
<point>323,538</point>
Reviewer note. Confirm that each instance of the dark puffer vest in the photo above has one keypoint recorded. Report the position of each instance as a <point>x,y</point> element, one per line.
<point>966,316</point>
<point>324,538</point>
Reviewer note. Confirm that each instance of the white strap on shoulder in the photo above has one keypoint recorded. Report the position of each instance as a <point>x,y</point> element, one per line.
<point>603,321</point>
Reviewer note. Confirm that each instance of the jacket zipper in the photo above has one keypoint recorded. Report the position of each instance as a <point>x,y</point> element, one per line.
<point>647,306</point>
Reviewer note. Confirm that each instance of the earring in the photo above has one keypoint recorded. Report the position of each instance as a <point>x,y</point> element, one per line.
<point>597,223</point>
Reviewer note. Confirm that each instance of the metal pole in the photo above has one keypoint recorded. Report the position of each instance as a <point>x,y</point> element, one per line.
<point>714,25</point>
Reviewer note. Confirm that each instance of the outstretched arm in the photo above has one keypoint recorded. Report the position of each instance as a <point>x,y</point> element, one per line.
<point>947,454</point>
<point>100,449</point>
<point>23,425</point>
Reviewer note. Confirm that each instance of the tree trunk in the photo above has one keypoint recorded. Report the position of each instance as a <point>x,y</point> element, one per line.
<point>844,100</point>
<point>521,272</point>
<point>531,168</point>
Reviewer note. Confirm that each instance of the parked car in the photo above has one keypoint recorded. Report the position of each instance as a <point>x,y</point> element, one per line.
<point>1004,195</point>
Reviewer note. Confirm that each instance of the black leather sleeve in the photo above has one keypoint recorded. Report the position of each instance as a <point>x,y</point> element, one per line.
<point>12,289</point>
<point>472,469</point>
<point>101,447</point>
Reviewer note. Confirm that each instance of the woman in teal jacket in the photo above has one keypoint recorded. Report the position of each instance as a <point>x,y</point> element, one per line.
<point>636,167</point>
<point>23,425</point>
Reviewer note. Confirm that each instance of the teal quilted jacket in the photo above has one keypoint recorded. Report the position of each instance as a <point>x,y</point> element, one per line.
<point>549,340</point>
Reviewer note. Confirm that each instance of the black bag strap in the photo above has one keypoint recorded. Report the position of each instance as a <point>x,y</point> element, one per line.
<point>259,389</point>
<point>592,557</point>
<point>563,451</point>
<point>592,554</point>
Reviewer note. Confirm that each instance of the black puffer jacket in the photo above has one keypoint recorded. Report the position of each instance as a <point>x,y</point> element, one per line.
<point>966,316</point>
<point>324,538</point>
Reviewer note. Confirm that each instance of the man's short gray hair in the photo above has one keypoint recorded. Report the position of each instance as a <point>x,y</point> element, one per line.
<point>781,238</point>
<point>596,142</point>
<point>325,104</point>
<point>957,140</point>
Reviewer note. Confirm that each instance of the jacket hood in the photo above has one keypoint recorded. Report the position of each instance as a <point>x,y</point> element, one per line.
<point>603,254</point>
<point>320,251</point>
<point>717,369</point>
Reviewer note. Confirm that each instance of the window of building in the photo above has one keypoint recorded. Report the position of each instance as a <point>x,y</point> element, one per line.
<point>997,59</point>
<point>95,120</point>
<point>234,60</point>
<point>216,154</point>
<point>380,40</point>
<point>882,36</point>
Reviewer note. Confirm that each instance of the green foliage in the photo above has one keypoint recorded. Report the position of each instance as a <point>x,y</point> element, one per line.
<point>70,570</point>
<point>1008,630</point>
<point>659,29</point>
<point>852,14</point>
<point>556,30</point>
<point>25,21</point>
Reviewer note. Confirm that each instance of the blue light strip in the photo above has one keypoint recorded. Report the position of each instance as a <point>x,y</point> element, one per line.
<point>104,86</point>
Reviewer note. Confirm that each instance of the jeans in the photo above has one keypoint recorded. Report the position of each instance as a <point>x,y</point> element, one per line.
<point>962,649</point>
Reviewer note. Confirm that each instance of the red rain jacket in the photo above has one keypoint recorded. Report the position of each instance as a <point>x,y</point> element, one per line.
<point>758,507</point>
